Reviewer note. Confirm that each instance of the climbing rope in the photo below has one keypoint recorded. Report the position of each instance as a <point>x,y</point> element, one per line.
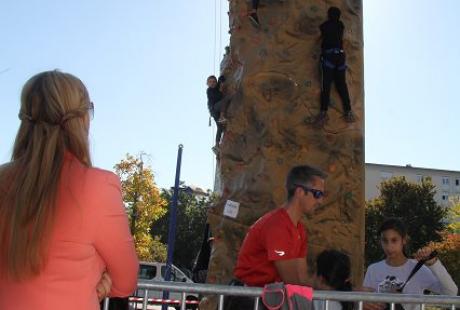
<point>215,36</point>
<point>216,64</point>
<point>213,129</point>
<point>220,31</point>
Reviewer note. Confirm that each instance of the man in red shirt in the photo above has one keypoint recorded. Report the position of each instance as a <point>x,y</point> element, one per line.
<point>275,247</point>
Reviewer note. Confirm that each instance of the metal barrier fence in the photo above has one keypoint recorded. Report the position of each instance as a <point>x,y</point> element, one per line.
<point>360,298</point>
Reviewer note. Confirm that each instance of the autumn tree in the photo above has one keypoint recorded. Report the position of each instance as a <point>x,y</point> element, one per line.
<point>449,253</point>
<point>144,205</point>
<point>449,247</point>
<point>413,203</point>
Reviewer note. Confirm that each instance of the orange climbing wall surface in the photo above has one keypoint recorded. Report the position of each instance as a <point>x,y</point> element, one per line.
<point>273,74</point>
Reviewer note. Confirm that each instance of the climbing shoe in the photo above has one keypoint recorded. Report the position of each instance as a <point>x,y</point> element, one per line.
<point>216,150</point>
<point>321,119</point>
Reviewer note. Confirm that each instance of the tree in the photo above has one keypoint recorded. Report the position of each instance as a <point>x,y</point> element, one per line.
<point>413,203</point>
<point>144,205</point>
<point>190,225</point>
<point>453,215</point>
<point>449,253</point>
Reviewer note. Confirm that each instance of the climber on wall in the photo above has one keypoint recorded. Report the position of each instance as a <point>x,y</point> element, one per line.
<point>253,17</point>
<point>217,106</point>
<point>333,65</point>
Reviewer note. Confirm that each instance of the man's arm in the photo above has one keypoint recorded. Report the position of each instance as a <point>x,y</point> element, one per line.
<point>293,271</point>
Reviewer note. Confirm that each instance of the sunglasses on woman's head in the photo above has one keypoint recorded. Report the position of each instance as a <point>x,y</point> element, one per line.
<point>91,109</point>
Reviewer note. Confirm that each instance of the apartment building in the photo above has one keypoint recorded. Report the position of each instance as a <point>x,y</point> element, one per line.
<point>447,182</point>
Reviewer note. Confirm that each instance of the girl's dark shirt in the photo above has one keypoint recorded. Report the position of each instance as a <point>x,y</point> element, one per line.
<point>214,95</point>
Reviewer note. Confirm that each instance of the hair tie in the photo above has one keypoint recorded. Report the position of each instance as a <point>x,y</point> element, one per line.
<point>64,119</point>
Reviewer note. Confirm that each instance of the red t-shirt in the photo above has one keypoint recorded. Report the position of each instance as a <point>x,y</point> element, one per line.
<point>273,237</point>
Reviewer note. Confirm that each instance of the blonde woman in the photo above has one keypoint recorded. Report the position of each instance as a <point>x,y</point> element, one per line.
<point>64,234</point>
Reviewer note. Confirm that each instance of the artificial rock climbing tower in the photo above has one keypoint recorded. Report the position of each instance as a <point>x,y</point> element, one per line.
<point>273,73</point>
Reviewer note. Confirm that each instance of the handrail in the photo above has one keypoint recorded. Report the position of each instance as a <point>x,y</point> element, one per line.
<point>218,289</point>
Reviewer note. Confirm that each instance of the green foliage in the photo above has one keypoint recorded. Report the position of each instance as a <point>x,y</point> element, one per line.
<point>453,216</point>
<point>191,220</point>
<point>144,205</point>
<point>414,204</point>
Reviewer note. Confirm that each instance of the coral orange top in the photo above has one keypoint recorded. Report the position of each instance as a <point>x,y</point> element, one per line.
<point>90,235</point>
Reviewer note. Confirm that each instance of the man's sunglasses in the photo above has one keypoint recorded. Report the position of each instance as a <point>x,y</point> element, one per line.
<point>317,194</point>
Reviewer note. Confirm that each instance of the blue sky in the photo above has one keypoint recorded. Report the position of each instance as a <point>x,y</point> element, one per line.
<point>145,65</point>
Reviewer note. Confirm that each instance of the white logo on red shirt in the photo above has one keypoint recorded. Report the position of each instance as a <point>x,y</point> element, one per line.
<point>280,253</point>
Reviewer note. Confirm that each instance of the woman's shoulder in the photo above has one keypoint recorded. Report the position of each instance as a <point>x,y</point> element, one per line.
<point>75,168</point>
<point>89,179</point>
<point>100,189</point>
<point>97,177</point>
<point>103,174</point>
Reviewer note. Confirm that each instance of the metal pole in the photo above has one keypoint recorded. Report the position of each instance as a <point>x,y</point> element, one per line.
<point>172,224</point>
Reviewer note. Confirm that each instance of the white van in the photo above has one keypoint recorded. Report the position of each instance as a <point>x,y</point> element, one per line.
<point>154,271</point>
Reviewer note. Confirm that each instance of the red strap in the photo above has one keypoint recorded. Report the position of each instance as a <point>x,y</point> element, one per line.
<point>304,291</point>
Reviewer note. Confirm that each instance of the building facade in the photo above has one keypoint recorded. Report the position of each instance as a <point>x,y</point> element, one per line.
<point>447,182</point>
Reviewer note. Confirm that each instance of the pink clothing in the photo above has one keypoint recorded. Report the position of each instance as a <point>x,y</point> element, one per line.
<point>90,235</point>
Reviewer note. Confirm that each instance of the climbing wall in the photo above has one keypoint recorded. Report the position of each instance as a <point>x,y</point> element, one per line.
<point>273,75</point>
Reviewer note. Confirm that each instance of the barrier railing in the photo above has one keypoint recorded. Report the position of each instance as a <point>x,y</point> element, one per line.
<point>224,290</point>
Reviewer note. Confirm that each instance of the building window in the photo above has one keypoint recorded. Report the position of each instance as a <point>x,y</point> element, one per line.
<point>445,196</point>
<point>419,178</point>
<point>385,175</point>
<point>457,182</point>
<point>445,181</point>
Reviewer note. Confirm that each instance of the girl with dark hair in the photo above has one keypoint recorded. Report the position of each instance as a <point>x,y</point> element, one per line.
<point>391,274</point>
<point>333,273</point>
<point>217,106</point>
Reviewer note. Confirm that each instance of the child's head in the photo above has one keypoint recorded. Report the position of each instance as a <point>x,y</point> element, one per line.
<point>333,13</point>
<point>393,237</point>
<point>333,269</point>
<point>211,81</point>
